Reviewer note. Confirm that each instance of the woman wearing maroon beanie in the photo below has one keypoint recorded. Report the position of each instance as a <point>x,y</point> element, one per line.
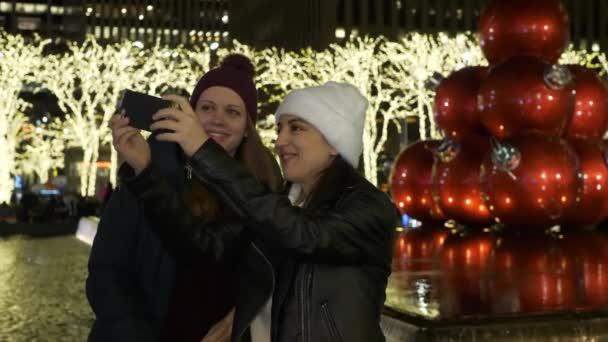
<point>143,285</point>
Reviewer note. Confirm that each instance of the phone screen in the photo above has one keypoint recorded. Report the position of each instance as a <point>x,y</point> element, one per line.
<point>140,107</point>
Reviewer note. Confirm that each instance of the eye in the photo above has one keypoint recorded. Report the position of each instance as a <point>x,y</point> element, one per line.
<point>295,128</point>
<point>233,112</point>
<point>207,107</point>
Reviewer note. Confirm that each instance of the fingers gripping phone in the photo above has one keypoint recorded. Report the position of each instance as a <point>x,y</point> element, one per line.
<point>140,107</point>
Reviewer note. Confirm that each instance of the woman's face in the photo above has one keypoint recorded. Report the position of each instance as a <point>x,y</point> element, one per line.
<point>224,117</point>
<point>303,151</point>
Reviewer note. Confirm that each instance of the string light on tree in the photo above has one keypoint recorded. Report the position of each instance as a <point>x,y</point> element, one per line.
<point>18,60</point>
<point>43,149</point>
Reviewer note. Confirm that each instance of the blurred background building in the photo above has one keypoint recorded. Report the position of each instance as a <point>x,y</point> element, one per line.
<point>291,24</point>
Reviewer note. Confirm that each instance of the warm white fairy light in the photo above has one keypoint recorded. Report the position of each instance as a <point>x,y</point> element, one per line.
<point>17,62</point>
<point>415,58</point>
<point>87,81</point>
<point>43,150</point>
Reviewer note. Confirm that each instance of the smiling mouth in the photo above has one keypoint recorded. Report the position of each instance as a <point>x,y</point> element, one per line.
<point>287,157</point>
<point>217,135</point>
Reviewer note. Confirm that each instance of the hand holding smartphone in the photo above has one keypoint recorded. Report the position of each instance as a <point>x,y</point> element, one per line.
<point>140,107</point>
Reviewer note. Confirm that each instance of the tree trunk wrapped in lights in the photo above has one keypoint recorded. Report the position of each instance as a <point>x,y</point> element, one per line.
<point>43,149</point>
<point>18,63</point>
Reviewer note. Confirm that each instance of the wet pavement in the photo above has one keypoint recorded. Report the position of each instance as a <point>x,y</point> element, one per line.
<point>42,295</point>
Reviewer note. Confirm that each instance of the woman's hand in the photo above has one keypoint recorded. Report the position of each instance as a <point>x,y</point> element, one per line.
<point>186,129</point>
<point>221,331</point>
<point>129,143</point>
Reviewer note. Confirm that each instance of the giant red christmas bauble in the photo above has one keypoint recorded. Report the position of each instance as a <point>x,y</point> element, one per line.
<point>456,110</point>
<point>589,208</point>
<point>456,181</point>
<point>411,183</point>
<point>510,28</point>
<point>590,117</point>
<point>525,94</point>
<point>530,180</point>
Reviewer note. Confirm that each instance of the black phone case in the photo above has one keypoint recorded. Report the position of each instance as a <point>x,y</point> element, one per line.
<point>140,107</point>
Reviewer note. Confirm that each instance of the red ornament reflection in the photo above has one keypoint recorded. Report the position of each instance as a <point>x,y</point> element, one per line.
<point>411,184</point>
<point>538,28</point>
<point>456,182</point>
<point>538,188</point>
<point>456,109</point>
<point>465,260</point>
<point>590,117</point>
<point>517,96</point>
<point>532,273</point>
<point>593,199</point>
<point>418,249</point>
<point>589,250</point>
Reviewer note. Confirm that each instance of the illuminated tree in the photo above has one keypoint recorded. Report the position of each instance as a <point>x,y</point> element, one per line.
<point>604,64</point>
<point>87,82</point>
<point>18,62</point>
<point>416,59</point>
<point>362,62</point>
<point>43,149</point>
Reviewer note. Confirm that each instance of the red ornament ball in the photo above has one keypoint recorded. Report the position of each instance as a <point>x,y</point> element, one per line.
<point>456,108</point>
<point>539,28</point>
<point>524,94</point>
<point>530,180</point>
<point>456,181</point>
<point>411,183</point>
<point>590,117</point>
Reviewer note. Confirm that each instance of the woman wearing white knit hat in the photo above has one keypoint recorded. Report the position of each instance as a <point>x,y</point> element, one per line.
<point>328,244</point>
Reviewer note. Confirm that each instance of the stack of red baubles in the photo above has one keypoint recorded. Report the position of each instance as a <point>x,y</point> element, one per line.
<point>523,137</point>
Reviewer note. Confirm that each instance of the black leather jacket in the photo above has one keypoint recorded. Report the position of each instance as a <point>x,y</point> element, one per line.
<point>326,266</point>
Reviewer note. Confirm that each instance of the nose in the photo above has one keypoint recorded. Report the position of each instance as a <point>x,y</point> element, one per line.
<point>282,139</point>
<point>214,117</point>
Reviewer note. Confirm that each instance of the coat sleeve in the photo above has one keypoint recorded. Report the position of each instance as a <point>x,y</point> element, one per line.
<point>111,285</point>
<point>360,229</point>
<point>190,239</point>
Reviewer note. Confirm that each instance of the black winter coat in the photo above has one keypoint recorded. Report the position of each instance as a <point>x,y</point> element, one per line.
<point>326,266</point>
<point>132,273</point>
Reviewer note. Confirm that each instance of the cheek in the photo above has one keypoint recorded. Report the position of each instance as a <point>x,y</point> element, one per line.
<point>202,118</point>
<point>238,127</point>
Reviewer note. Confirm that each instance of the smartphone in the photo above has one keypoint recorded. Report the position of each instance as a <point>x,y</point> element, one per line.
<point>140,107</point>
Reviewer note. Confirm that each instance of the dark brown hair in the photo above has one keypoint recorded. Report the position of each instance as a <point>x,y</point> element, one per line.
<point>329,182</point>
<point>256,158</point>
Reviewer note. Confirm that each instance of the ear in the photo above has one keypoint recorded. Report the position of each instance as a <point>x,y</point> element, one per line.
<point>332,151</point>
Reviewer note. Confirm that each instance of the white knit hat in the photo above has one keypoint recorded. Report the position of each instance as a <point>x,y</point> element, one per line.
<point>336,109</point>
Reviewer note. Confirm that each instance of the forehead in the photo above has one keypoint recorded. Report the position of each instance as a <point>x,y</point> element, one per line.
<point>290,118</point>
<point>221,95</point>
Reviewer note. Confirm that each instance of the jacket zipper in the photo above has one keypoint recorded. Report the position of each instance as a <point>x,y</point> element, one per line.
<point>302,326</point>
<point>305,289</point>
<point>331,324</point>
<point>240,336</point>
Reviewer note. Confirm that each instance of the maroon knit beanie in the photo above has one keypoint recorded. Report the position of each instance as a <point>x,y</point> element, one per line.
<point>235,72</point>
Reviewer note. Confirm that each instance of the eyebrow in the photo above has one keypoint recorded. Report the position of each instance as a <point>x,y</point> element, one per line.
<point>291,121</point>
<point>295,120</point>
<point>229,105</point>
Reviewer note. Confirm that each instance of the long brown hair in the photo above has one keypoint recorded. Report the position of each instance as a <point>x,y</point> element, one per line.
<point>256,158</point>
